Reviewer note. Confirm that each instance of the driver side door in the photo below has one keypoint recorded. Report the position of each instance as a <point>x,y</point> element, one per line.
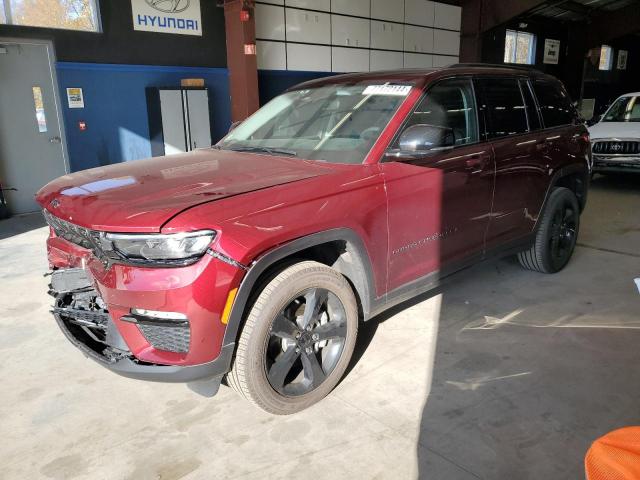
<point>439,200</point>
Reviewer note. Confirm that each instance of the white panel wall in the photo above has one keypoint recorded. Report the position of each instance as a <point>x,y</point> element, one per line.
<point>380,60</point>
<point>419,12</point>
<point>446,42</point>
<point>349,31</point>
<point>271,55</point>
<point>356,35</point>
<point>386,35</point>
<point>324,5</point>
<point>417,60</point>
<point>311,58</point>
<point>443,61</point>
<point>308,27</point>
<point>269,22</point>
<point>447,16</point>
<point>388,10</point>
<point>350,60</point>
<point>418,39</point>
<point>359,8</point>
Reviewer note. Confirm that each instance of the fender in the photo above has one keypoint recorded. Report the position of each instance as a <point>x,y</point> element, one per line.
<point>557,175</point>
<point>357,269</point>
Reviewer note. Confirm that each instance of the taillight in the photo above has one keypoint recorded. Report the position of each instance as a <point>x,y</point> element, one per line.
<point>585,137</point>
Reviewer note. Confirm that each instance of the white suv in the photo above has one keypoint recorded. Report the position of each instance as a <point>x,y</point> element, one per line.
<point>616,137</point>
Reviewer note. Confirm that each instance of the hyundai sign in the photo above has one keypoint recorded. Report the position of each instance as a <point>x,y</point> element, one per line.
<point>167,16</point>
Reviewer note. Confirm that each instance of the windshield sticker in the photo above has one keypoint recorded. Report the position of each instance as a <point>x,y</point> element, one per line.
<point>396,90</point>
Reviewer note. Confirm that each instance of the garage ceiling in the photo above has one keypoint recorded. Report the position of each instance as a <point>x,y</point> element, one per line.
<point>577,10</point>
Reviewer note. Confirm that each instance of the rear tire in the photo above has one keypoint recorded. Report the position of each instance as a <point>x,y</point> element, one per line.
<point>297,340</point>
<point>557,234</point>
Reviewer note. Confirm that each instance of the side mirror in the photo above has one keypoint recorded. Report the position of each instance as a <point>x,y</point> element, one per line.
<point>234,125</point>
<point>423,137</point>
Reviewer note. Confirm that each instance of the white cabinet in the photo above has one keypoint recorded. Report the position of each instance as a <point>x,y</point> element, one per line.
<point>349,31</point>
<point>418,39</point>
<point>271,55</point>
<point>311,58</point>
<point>446,42</point>
<point>388,10</point>
<point>178,119</point>
<point>381,60</point>
<point>447,16</point>
<point>386,35</point>
<point>417,60</point>
<point>269,22</point>
<point>308,27</point>
<point>350,60</point>
<point>444,60</point>
<point>419,12</point>
<point>324,5</point>
<point>359,8</point>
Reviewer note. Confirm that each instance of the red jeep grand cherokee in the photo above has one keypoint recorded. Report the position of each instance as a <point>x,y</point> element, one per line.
<point>257,258</point>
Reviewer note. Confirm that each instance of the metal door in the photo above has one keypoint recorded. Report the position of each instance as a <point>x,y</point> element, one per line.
<point>31,137</point>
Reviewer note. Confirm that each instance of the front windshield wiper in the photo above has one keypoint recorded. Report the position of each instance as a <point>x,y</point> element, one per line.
<point>267,150</point>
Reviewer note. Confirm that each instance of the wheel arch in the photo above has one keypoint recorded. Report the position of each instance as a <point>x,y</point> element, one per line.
<point>340,248</point>
<point>574,177</point>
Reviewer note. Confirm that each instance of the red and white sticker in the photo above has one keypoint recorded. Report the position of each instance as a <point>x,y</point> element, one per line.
<point>395,90</point>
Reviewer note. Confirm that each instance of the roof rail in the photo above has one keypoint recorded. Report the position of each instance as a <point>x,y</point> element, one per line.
<point>497,65</point>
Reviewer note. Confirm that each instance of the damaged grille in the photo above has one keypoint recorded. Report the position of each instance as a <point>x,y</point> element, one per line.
<point>75,234</point>
<point>82,315</point>
<point>170,338</point>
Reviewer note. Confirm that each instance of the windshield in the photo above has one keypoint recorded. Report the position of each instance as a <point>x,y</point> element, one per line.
<point>625,109</point>
<point>334,123</point>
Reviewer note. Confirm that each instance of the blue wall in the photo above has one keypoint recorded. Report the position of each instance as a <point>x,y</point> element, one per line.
<point>273,82</point>
<point>116,109</point>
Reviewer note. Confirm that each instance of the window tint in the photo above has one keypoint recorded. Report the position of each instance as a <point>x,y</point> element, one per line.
<point>449,104</point>
<point>555,104</point>
<point>504,106</point>
<point>530,106</point>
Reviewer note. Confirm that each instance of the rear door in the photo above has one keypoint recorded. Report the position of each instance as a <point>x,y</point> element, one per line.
<point>514,130</point>
<point>439,204</point>
<point>562,129</point>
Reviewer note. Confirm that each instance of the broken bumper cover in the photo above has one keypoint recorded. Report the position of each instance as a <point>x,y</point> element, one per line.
<point>82,317</point>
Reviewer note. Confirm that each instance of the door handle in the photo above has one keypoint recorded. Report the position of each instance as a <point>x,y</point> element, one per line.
<point>476,161</point>
<point>55,140</point>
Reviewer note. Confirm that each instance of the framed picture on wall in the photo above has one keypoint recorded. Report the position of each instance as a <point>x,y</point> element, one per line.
<point>551,51</point>
<point>622,59</point>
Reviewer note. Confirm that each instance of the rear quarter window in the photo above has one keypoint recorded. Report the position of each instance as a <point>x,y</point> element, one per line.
<point>555,104</point>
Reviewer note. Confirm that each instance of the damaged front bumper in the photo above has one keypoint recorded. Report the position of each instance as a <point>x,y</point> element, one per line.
<point>82,316</point>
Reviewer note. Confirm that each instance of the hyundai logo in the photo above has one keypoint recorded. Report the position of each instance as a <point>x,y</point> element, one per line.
<point>169,6</point>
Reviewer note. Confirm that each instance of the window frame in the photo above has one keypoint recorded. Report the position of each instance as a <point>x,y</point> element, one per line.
<point>97,18</point>
<point>425,92</point>
<point>554,84</point>
<point>488,122</point>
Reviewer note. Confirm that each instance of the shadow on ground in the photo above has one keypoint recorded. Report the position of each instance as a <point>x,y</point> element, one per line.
<point>19,224</point>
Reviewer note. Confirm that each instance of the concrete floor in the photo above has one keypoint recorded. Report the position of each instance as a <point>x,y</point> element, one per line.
<point>501,374</point>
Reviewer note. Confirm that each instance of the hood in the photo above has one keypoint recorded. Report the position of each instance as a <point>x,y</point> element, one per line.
<point>618,130</point>
<point>142,195</point>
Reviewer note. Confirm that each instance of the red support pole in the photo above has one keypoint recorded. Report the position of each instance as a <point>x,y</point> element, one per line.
<point>241,57</point>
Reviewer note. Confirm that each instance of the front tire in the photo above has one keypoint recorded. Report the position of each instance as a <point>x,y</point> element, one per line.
<point>557,234</point>
<point>297,340</point>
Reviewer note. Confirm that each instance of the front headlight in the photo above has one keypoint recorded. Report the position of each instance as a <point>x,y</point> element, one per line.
<point>175,248</point>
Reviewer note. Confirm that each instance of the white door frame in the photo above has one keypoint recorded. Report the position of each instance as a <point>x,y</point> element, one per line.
<point>51,54</point>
